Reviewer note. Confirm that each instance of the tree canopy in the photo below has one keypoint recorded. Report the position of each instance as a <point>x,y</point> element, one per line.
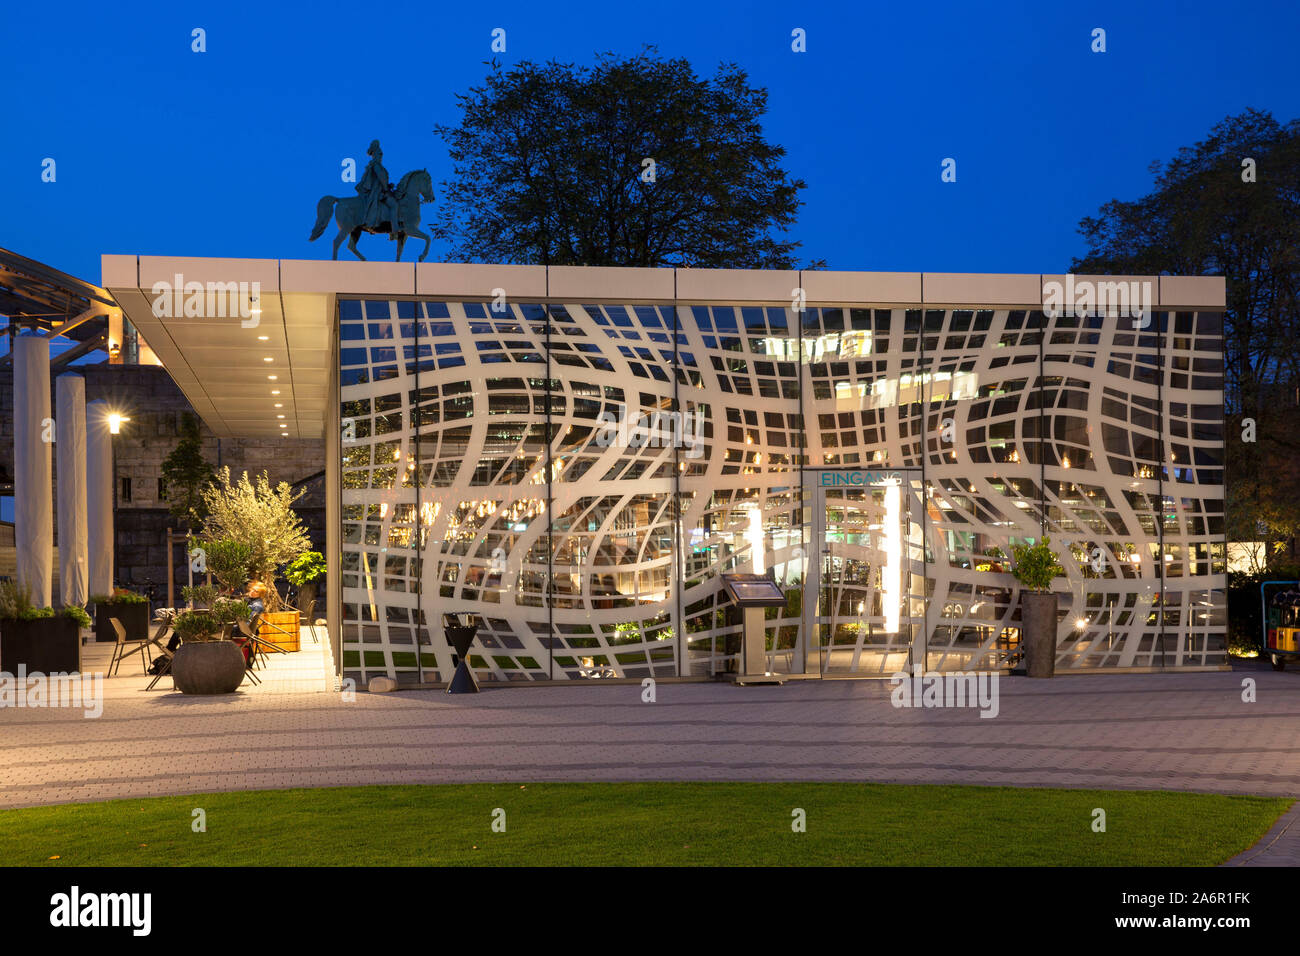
<point>1205,218</point>
<point>1230,205</point>
<point>550,167</point>
<point>186,473</point>
<point>260,517</point>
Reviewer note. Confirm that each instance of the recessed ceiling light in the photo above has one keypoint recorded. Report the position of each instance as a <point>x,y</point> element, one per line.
<point>263,338</point>
<point>273,377</point>
<point>275,391</point>
<point>279,416</point>
<point>279,404</point>
<point>268,359</point>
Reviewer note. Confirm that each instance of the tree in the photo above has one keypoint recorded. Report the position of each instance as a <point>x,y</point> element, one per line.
<point>228,560</point>
<point>1230,206</point>
<point>186,473</point>
<point>1204,219</point>
<point>260,517</point>
<point>550,167</point>
<point>303,574</point>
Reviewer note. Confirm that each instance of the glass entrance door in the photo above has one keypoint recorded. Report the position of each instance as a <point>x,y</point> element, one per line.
<point>871,617</point>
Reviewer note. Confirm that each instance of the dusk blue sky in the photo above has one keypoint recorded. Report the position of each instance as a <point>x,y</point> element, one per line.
<point>225,153</point>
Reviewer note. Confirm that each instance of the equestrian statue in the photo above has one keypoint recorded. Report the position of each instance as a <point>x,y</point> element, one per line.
<point>378,207</point>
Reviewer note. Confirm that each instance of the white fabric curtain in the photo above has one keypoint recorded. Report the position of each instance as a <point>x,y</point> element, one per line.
<point>70,455</point>
<point>33,483</point>
<point>99,497</point>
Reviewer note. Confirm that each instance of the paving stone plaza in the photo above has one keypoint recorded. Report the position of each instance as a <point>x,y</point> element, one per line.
<point>1189,732</point>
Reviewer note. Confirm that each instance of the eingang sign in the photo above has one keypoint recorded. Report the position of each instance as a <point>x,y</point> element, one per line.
<point>852,477</point>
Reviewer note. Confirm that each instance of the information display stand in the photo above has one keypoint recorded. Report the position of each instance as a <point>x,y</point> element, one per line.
<point>752,593</point>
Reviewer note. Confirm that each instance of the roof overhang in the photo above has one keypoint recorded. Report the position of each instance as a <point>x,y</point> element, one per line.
<point>224,362</point>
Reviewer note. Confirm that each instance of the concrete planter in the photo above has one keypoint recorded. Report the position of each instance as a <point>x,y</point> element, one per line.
<point>211,667</point>
<point>51,645</point>
<point>134,618</point>
<point>1038,633</point>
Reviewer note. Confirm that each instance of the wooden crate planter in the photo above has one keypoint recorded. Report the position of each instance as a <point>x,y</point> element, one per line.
<point>274,626</point>
<point>50,645</point>
<point>134,618</point>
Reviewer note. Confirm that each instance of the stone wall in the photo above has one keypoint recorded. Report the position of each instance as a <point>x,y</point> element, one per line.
<point>154,404</point>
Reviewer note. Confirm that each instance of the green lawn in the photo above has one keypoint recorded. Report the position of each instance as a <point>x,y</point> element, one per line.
<point>559,824</point>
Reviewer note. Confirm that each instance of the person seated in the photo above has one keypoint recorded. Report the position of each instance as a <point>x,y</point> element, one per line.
<point>256,595</point>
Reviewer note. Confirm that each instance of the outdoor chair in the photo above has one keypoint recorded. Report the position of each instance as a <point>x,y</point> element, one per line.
<point>251,631</point>
<point>124,648</point>
<point>251,660</point>
<point>257,632</point>
<point>306,620</point>
<point>163,660</point>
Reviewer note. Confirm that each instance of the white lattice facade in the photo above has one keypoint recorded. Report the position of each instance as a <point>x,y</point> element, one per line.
<point>580,475</point>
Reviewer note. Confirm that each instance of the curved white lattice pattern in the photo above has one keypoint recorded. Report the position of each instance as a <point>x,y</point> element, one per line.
<point>580,475</point>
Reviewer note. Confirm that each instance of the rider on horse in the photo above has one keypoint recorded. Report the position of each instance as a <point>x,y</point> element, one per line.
<point>378,193</point>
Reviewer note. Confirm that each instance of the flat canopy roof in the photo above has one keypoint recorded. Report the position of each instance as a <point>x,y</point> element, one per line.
<point>220,362</point>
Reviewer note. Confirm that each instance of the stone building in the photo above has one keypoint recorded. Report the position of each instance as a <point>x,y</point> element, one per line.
<point>153,407</point>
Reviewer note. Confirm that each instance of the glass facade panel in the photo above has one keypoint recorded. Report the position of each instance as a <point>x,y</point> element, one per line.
<point>580,475</point>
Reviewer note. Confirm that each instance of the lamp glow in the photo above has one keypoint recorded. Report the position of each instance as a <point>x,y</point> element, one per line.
<point>891,575</point>
<point>754,535</point>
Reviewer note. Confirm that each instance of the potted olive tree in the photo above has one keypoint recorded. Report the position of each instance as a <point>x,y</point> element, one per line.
<point>261,517</point>
<point>207,662</point>
<point>228,560</point>
<point>38,638</point>
<point>128,607</point>
<point>1035,565</point>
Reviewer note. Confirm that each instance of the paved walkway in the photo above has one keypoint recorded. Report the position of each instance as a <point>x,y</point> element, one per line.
<point>308,669</point>
<point>1177,732</point>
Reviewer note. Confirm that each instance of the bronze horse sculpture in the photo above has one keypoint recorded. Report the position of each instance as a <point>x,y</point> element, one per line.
<point>414,188</point>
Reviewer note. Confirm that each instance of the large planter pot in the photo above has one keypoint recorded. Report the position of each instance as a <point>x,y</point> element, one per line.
<point>134,617</point>
<point>1038,632</point>
<point>211,667</point>
<point>51,645</point>
<point>281,629</point>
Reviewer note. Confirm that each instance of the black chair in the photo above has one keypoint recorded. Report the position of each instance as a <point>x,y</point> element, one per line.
<point>125,648</point>
<point>162,663</point>
<point>306,620</point>
<point>251,660</point>
<point>263,642</point>
<point>251,631</point>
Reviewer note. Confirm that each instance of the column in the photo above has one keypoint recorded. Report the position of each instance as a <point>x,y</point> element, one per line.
<point>99,497</point>
<point>33,485</point>
<point>70,449</point>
